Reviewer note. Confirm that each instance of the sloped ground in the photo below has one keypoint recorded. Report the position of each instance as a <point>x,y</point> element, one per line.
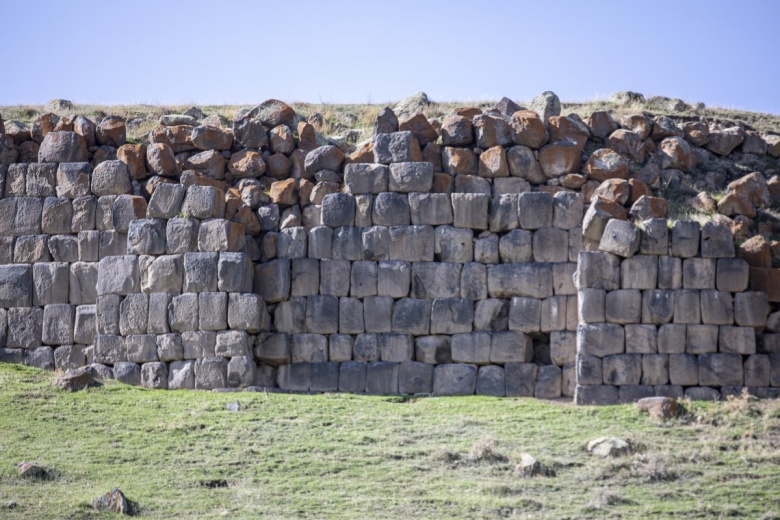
<point>185,455</point>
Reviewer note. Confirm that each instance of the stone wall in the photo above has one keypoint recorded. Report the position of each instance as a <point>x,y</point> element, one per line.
<point>429,259</point>
<point>667,311</point>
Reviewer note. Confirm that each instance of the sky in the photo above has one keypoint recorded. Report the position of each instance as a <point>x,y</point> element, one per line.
<point>722,53</point>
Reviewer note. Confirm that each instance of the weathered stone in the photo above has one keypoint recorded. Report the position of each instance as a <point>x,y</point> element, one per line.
<point>366,178</point>
<point>699,273</point>
<point>412,316</point>
<point>454,379</point>
<point>183,312</point>
<point>621,238</point>
<point>62,147</point>
<point>523,163</point>
<point>560,158</point>
<point>600,339</point>
<point>599,213</point>
<point>530,279</point>
<point>722,141</point>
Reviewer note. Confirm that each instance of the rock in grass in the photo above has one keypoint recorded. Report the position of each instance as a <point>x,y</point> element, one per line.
<point>609,447</point>
<point>75,379</point>
<point>114,501</point>
<point>30,470</point>
<point>662,408</point>
<point>530,467</point>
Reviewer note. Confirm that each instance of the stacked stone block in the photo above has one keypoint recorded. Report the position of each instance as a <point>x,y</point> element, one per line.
<point>674,319</point>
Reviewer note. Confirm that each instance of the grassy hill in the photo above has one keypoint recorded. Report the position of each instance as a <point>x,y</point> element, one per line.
<point>179,454</point>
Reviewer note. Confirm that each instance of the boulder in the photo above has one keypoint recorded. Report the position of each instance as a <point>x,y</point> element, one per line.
<point>722,141</point>
<point>662,408</point>
<point>161,160</point>
<point>273,112</point>
<point>546,105</point>
<point>615,190</point>
<point>75,379</point>
<point>528,129</point>
<point>608,447</point>
<point>754,187</point>
<point>568,129</point>
<point>63,147</point>
<point>677,153</point>
<point>559,158</point>
<point>246,163</point>
<point>111,131</point>
<point>456,131</point>
<point>628,144</point>
<point>601,124</point>
<point>386,122</point>
<point>211,138</point>
<point>420,128</point>
<point>606,164</point>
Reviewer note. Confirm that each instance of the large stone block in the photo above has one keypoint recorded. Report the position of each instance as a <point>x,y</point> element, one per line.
<point>671,338</point>
<point>322,314</point>
<point>351,316</point>
<point>352,377</point>
<point>134,314</point>
<point>639,272</point>
<point>432,209</point>
<point>395,347</point>
<point>272,280</point>
<point>435,280</point>
<point>717,241</point>
<point>85,324</point>
<point>181,375</point>
<point>335,277</point>
<point>320,242</point>
<point>508,280</point>
<point>366,178</point>
<point>454,244</point>
<point>27,219</point>
<point>183,312</point>
<point>535,210</point>
<point>166,201</point>
<point>340,347</point>
<point>716,307</point>
<point>451,316</point>
<point>198,344</point>
<point>211,373</point>
<point>376,243</point>
<point>525,315</point>
<point>567,209</point>
<point>473,281</point>
<point>548,382</point>
<point>657,306</point>
<point>685,238</point>
<point>598,270</point>
<point>382,378</point>
<point>161,274</point>
<point>41,179</point>
<point>669,272</point>
<point>220,235</point>
<point>391,209</point>
<point>50,283</point>
<point>324,377</point>
<point>394,278</point>
<point>57,324</point>
<point>69,357</point>
<point>232,343</point>
<point>553,314</point>
<point>110,178</point>
<point>181,235</point>
<point>699,273</point>
<point>655,237</point>
<point>56,216</point>
<point>502,215</point>
<point>200,272</point>
<point>732,275</point>
<point>596,395</point>
<point>684,369</point>
<point>687,307</point>
<point>366,347</point>
<point>721,370</point>
<point>622,369</point>
<point>509,347</point>
<point>212,311</point>
<point>141,348</point>
<point>550,244</point>
<point>169,347</point>
<point>412,316</point>
<point>641,339</point>
<point>338,209</point>
<point>517,246</point>
<point>73,179</point>
<point>520,379</point>
<point>274,349</point>
<point>491,314</point>
<point>412,243</point>
<point>406,177</point>
<point>454,379</point>
<point>348,243</point>
<point>589,370</point>
<point>118,275</point>
<point>415,378</point>
<point>396,147</point>
<point>203,202</point>
<point>491,381</point>
<point>82,283</point>
<point>247,312</point>
<point>309,348</point>
<point>470,210</point>
<point>474,348</point>
<point>623,306</point>
<point>757,370</point>
<point>292,243</point>
<point>751,309</point>
<point>305,277</point>
<point>620,238</point>
<point>591,305</point>
<point>701,339</point>
<point>84,209</point>
<point>600,339</point>
<point>737,340</point>
<point>363,279</point>
<point>433,350</point>
<point>109,349</point>
<point>146,237</point>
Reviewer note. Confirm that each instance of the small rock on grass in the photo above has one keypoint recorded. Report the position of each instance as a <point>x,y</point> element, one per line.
<point>662,408</point>
<point>30,470</point>
<point>75,379</point>
<point>114,501</point>
<point>233,407</point>
<point>530,467</point>
<point>609,447</point>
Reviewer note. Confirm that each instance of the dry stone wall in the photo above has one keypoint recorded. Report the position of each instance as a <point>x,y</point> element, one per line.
<point>489,254</point>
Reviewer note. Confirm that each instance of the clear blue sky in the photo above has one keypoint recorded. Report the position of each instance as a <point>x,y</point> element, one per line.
<point>723,53</point>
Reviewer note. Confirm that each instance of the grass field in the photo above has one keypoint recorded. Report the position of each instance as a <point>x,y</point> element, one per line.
<point>184,455</point>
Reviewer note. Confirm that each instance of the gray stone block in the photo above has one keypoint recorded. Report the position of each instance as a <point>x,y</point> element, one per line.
<point>183,312</point>
<point>563,347</point>
<point>596,395</point>
<point>395,147</point>
<point>671,338</point>
<point>473,348</point>
<point>320,242</point>
<point>685,238</point>
<point>412,316</point>
<point>170,347</point>
<point>486,250</point>
<point>470,210</point>
<point>502,214</point>
<point>520,379</point>
<point>454,244</point>
<point>717,241</point>
<point>72,179</point>
<point>68,357</point>
<point>683,369</point>
<point>525,314</point>
<point>721,370</point>
<point>598,270</point>
<point>600,339</point>
<point>107,310</point>
<point>181,375</point>
<point>141,348</point>
<point>85,324</point>
<point>305,277</point>
<point>433,350</point>
<point>232,343</point>
<point>203,202</point>
<point>340,347</point>
<point>27,218</point>
<point>381,378</point>
<point>112,243</point>
<point>351,316</point>
<point>516,247</point>
<point>31,249</point>
<point>655,369</point>
<point>308,348</point>
<point>84,209</point>
<point>394,278</point>
<point>322,314</point>
<point>181,235</point>
<point>406,177</point>
<point>669,272</point>
<point>415,378</point>
<point>109,349</point>
<point>701,339</point>
<point>699,273</point>
<point>731,275</point>
<point>50,283</point>
<point>366,177</point>
<point>158,313</point>
<point>104,218</point>
<point>166,201</point>
<point>376,243</point>
<point>508,280</point>
<point>687,307</point>
<point>377,313</point>
<point>338,209</point>
<point>324,377</point>
<point>622,369</point>
<point>751,309</point>
<point>657,306</point>
<point>198,344</point>
<point>454,379</point>
<point>435,280</point>
<point>134,314</point>
<point>348,243</point>
<point>128,373</point>
<point>334,277</point>
<point>589,370</point>
<point>550,244</point>
<point>212,311</point>
<point>433,209</point>
<point>553,314</point>
<point>161,274</point>
<point>220,235</point>
<point>567,209</point>
<point>41,179</point>
<point>655,237</point>
<point>548,382</point>
<point>64,248</point>
<point>641,339</point>
<point>412,243</point>
<point>633,393</point>
<point>620,238</point>
<point>272,280</point>
<point>24,327</point>
<point>274,349</point>
<point>698,393</point>
<point>366,347</point>
<point>473,281</point>
<point>491,381</point>
<point>591,305</point>
<point>391,209</point>
<point>110,178</point>
<point>639,272</point>
<point>623,306</point>
<point>118,275</point>
<point>200,272</point>
<point>56,216</point>
<point>491,314</point>
<point>716,307</point>
<point>57,324</point>
<point>395,347</point>
<point>89,246</point>
<point>508,347</point>
<point>211,373</point>
<point>535,210</point>
<point>364,207</point>
<point>363,280</point>
<point>146,237</point>
<point>125,209</point>
<point>292,243</point>
<point>451,316</point>
<point>757,370</point>
<point>246,312</point>
<point>737,340</point>
<point>352,377</point>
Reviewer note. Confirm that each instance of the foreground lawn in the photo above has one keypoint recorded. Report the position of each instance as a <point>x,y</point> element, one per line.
<point>185,455</point>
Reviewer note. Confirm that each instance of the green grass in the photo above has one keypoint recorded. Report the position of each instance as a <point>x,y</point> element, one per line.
<point>344,456</point>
